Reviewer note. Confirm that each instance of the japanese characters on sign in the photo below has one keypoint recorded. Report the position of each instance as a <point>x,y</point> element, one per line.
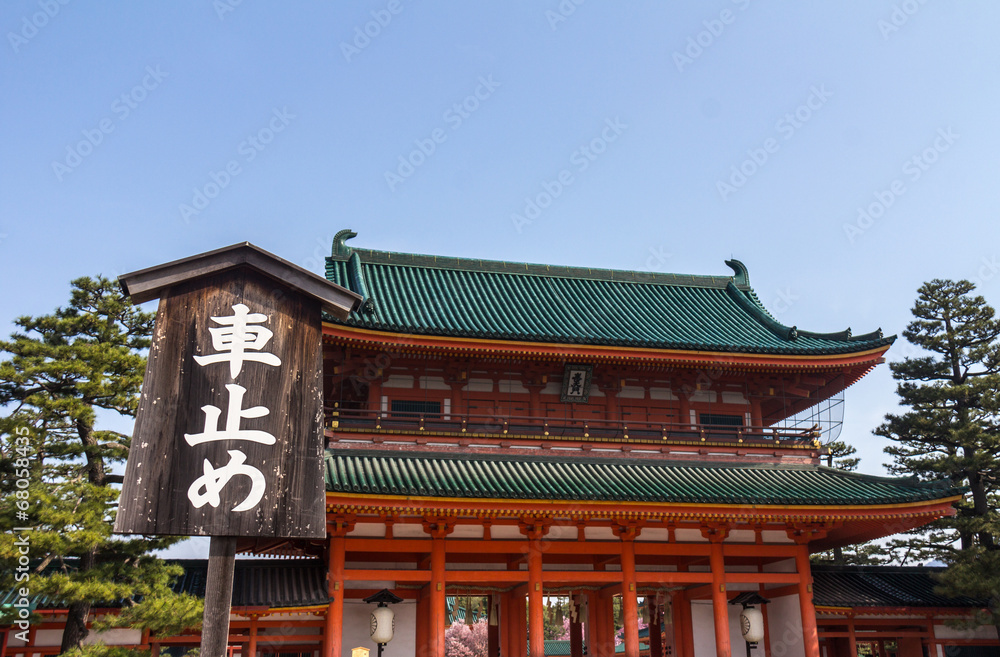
<point>576,383</point>
<point>239,333</point>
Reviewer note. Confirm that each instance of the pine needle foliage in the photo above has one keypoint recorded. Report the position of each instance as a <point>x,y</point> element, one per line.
<point>61,375</point>
<point>951,432</point>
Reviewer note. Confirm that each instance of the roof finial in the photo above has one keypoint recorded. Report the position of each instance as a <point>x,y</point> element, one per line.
<point>740,274</point>
<point>339,246</point>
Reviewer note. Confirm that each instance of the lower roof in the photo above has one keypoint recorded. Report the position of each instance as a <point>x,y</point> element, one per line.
<point>271,583</point>
<point>263,582</point>
<point>530,477</point>
<point>882,586</point>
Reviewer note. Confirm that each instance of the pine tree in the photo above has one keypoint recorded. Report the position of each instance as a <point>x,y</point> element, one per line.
<point>951,432</point>
<point>840,455</point>
<point>65,371</point>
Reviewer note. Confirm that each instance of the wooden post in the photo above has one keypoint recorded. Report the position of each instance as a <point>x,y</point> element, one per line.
<point>756,417</point>
<point>507,625</point>
<point>492,631</point>
<point>437,613</point>
<point>852,637</point>
<point>720,603</point>
<point>655,628</point>
<point>605,607</point>
<point>810,635</point>
<point>592,634</point>
<point>933,647</point>
<point>677,602</point>
<point>335,611</point>
<point>218,596</point>
<point>536,613</point>
<point>252,644</point>
<point>576,632</point>
<point>421,633</point>
<point>630,606</point>
<point>685,409</point>
<point>688,626</point>
<point>596,647</point>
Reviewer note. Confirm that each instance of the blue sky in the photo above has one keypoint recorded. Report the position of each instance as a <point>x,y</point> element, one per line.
<point>625,135</point>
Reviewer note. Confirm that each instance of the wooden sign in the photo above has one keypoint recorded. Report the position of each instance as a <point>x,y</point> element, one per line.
<point>228,437</point>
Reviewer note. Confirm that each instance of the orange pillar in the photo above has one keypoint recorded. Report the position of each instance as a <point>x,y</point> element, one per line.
<point>437,599</point>
<point>423,621</point>
<point>853,638</point>
<point>630,606</point>
<point>677,602</point>
<point>592,627</point>
<point>720,603</point>
<point>438,528</point>
<point>536,613</point>
<point>599,612</point>
<point>252,644</point>
<point>810,636</point>
<point>335,611</point>
<point>508,622</point>
<point>608,616</point>
<point>688,627</point>
<point>685,410</point>
<point>756,417</point>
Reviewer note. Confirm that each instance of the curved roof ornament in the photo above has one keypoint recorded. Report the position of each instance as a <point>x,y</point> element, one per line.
<point>740,274</point>
<point>340,247</point>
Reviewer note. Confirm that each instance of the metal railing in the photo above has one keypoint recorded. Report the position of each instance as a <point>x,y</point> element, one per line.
<point>564,428</point>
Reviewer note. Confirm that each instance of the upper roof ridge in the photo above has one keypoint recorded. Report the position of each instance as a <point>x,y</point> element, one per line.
<point>342,252</point>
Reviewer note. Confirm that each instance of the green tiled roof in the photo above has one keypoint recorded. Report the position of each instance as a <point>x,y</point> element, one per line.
<point>883,586</point>
<point>432,295</point>
<point>531,477</point>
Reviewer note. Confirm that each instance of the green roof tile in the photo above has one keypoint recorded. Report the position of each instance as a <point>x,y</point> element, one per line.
<point>614,479</point>
<point>432,295</point>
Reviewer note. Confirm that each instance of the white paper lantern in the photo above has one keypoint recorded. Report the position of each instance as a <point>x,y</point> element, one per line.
<point>383,622</point>
<point>752,625</point>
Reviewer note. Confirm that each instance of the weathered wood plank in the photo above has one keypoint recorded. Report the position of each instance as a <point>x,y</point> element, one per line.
<point>163,465</point>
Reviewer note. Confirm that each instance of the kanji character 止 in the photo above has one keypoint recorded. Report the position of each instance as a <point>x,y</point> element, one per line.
<point>234,414</point>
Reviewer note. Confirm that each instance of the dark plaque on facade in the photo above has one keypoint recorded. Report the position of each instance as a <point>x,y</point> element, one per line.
<point>228,437</point>
<point>576,383</point>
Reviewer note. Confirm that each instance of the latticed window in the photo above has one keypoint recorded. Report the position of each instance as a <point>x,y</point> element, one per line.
<point>411,408</point>
<point>718,420</point>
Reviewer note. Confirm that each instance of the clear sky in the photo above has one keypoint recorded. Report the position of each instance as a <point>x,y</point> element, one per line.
<point>648,136</point>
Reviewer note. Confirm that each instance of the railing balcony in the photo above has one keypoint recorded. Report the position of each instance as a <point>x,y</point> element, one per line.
<point>371,421</point>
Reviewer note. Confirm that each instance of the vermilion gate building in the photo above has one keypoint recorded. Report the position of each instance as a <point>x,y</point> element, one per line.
<point>520,431</point>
